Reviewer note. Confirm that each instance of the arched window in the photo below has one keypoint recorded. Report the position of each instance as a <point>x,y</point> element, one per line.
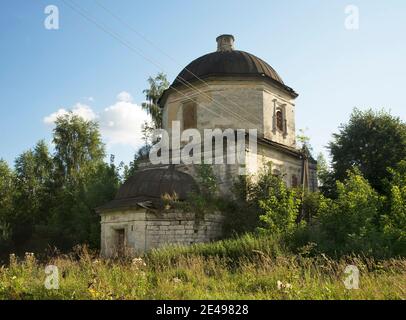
<point>295,181</point>
<point>189,115</point>
<point>279,120</point>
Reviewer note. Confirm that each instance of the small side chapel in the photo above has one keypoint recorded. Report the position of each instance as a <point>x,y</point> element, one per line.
<point>224,89</point>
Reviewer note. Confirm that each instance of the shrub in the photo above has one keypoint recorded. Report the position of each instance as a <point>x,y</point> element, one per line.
<point>281,209</point>
<point>241,212</point>
<point>348,223</point>
<point>263,204</point>
<point>394,221</point>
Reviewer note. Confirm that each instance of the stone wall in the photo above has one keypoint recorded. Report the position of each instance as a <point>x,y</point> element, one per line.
<point>145,230</point>
<point>283,164</point>
<point>236,103</point>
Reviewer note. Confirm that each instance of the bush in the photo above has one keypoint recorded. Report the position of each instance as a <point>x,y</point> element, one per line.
<point>264,204</point>
<point>394,221</point>
<point>348,224</point>
<point>281,209</point>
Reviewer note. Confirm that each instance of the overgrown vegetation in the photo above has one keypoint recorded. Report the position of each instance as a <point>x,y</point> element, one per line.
<point>353,216</point>
<point>245,268</point>
<point>281,243</point>
<point>50,199</point>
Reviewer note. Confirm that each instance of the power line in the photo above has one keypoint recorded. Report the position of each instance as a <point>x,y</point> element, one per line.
<point>122,21</point>
<point>116,36</point>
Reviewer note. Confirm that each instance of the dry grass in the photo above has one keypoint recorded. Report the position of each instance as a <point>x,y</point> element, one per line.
<point>198,273</point>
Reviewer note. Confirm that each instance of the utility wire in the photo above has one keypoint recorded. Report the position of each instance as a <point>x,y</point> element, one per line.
<point>116,36</point>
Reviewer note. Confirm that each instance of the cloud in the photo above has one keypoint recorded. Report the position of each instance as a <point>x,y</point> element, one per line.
<point>124,97</point>
<point>78,109</point>
<point>120,124</point>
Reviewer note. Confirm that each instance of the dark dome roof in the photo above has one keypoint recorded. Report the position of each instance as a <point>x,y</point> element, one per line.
<point>155,183</point>
<point>227,63</point>
<point>148,186</point>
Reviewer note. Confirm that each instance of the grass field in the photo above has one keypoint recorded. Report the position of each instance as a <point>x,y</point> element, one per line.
<point>245,268</point>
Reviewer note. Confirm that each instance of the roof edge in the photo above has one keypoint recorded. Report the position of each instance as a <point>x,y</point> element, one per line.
<point>163,98</point>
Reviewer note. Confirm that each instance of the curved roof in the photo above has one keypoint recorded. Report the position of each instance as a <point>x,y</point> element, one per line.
<point>227,63</point>
<point>146,189</point>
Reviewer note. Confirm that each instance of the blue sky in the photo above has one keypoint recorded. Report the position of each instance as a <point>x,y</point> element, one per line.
<point>80,66</point>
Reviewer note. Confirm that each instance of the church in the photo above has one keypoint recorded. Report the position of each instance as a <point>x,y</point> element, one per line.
<point>225,89</point>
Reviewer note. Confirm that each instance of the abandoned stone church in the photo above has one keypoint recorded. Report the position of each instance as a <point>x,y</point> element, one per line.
<point>223,89</point>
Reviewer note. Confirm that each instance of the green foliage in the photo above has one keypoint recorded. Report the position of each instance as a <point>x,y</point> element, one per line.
<point>78,146</point>
<point>7,189</point>
<point>241,213</point>
<point>310,205</point>
<point>247,246</point>
<point>304,141</point>
<point>263,204</point>
<point>141,155</point>
<point>85,182</point>
<point>49,200</point>
<point>157,86</point>
<point>245,268</point>
<point>281,209</point>
<point>205,199</point>
<point>325,177</point>
<point>350,220</point>
<point>73,219</point>
<point>207,180</point>
<point>348,223</point>
<point>371,141</point>
<point>394,221</point>
<point>34,171</point>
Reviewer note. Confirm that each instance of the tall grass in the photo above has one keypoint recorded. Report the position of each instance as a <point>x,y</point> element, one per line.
<point>245,268</point>
<point>247,247</point>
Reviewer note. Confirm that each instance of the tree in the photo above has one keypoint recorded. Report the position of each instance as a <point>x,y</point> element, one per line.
<point>50,200</point>
<point>33,193</point>
<point>78,146</point>
<point>350,222</point>
<point>7,187</point>
<point>371,141</point>
<point>394,220</point>
<point>73,218</point>
<point>325,177</point>
<point>85,182</point>
<point>157,86</point>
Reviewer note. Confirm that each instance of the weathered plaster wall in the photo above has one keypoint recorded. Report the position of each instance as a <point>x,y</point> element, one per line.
<point>282,163</point>
<point>276,100</point>
<point>146,230</point>
<point>236,104</point>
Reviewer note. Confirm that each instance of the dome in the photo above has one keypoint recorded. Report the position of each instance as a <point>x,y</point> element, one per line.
<point>227,63</point>
<point>147,187</point>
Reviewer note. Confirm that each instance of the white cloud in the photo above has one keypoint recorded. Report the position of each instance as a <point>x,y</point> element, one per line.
<point>120,123</point>
<point>78,109</point>
<point>124,97</point>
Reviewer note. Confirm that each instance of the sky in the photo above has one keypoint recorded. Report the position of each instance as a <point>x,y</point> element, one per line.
<point>98,66</point>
